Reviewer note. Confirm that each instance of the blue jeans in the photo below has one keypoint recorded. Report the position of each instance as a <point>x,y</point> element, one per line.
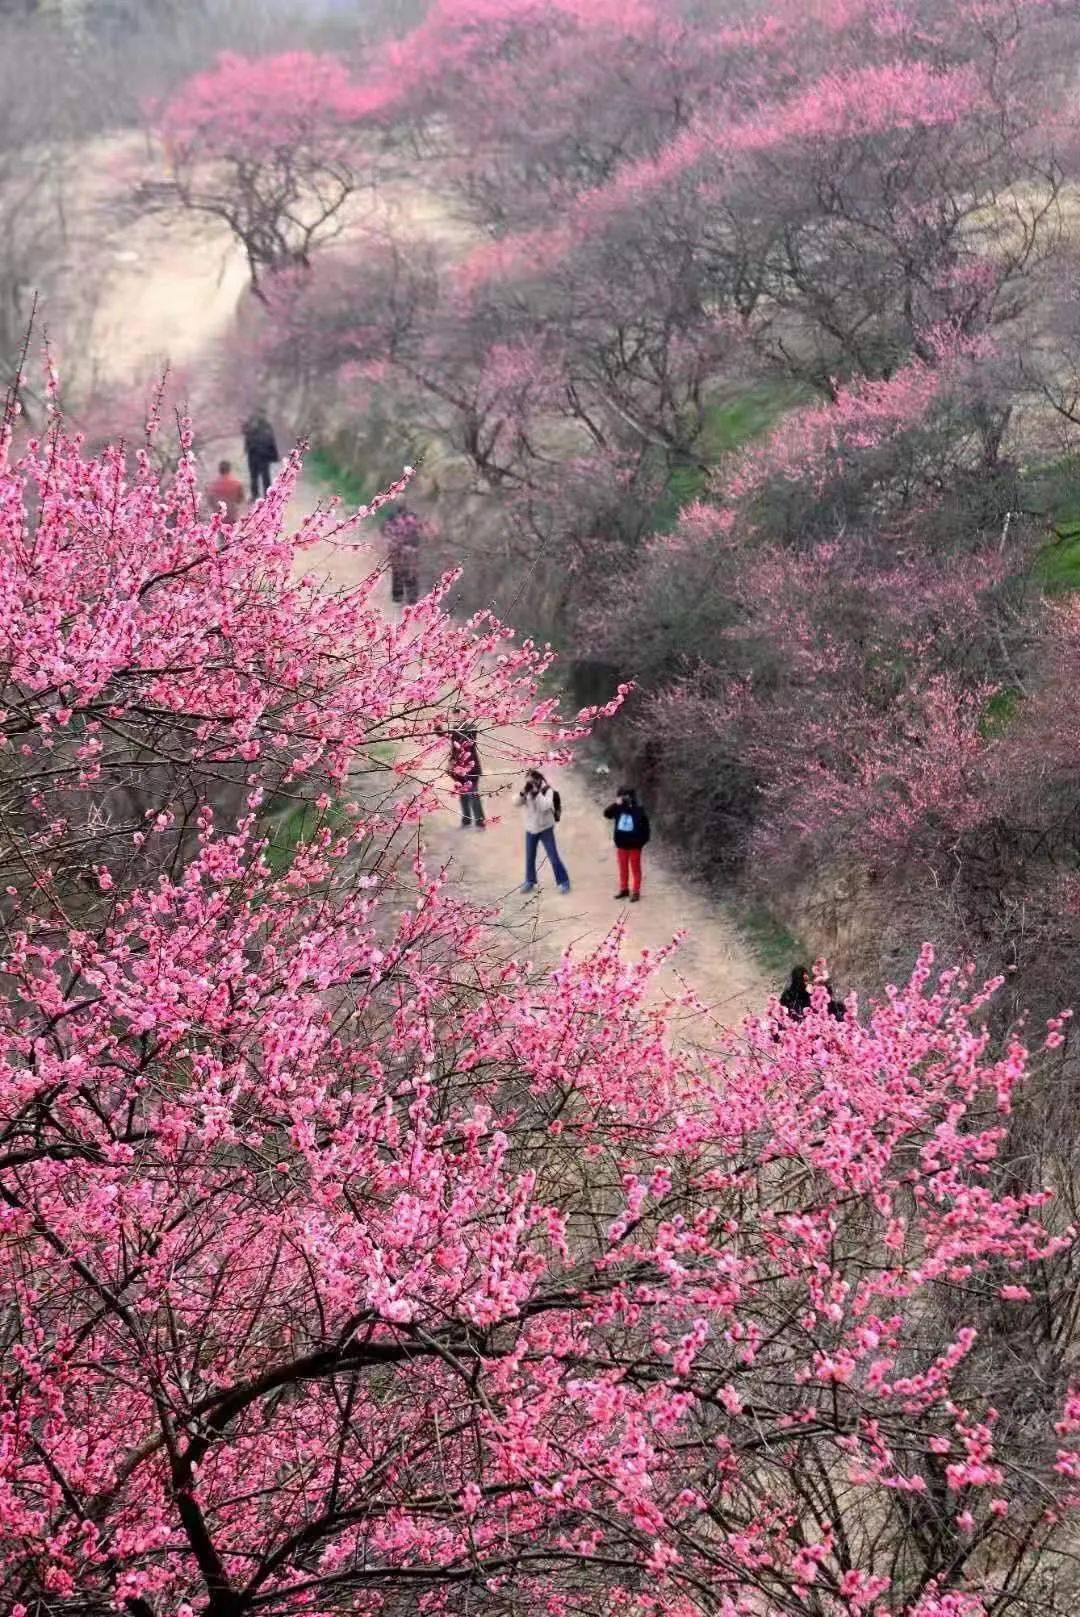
<point>472,804</point>
<point>545,839</point>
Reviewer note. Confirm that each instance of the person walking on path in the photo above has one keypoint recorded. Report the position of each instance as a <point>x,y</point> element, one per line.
<point>226,490</point>
<point>632,832</point>
<point>542,813</point>
<point>465,771</point>
<point>404,533</point>
<point>261,449</point>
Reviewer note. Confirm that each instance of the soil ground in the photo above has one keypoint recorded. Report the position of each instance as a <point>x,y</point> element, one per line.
<point>172,301</point>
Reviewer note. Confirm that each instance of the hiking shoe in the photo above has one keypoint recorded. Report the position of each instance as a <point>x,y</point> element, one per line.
<point>481,825</point>
<point>623,892</point>
<point>564,887</point>
<point>527,887</point>
<point>635,898</point>
<point>466,825</point>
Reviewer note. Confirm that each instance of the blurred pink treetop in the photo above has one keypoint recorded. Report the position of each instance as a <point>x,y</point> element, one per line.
<point>274,147</point>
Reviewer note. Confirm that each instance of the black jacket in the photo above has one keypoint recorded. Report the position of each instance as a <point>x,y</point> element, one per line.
<point>464,755</point>
<point>634,835</point>
<point>796,1001</point>
<point>259,440</point>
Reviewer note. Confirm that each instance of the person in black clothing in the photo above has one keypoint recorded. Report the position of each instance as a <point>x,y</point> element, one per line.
<point>404,532</point>
<point>632,832</point>
<point>796,996</point>
<point>261,449</point>
<point>797,1000</point>
<point>466,770</point>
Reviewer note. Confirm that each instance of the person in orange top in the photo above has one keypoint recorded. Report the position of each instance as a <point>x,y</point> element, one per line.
<point>226,490</point>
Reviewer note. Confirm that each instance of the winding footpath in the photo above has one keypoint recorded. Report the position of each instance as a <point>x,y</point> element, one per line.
<point>712,960</point>
<point>175,301</point>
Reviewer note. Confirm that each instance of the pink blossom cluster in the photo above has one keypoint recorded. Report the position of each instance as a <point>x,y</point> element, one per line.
<point>863,102</point>
<point>810,445</point>
<point>348,1262</point>
<point>259,105</point>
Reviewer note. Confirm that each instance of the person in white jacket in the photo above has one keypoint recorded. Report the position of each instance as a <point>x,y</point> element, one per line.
<point>538,800</point>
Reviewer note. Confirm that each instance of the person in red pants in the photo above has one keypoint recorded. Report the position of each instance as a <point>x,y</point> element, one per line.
<point>631,834</point>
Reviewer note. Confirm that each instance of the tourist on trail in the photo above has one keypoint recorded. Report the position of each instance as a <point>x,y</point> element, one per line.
<point>797,997</point>
<point>542,813</point>
<point>404,533</point>
<point>465,771</point>
<point>631,835</point>
<point>226,490</point>
<point>261,449</point>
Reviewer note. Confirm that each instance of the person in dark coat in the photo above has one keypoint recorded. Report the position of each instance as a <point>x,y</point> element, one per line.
<point>404,533</point>
<point>797,998</point>
<point>632,832</point>
<point>261,449</point>
<point>465,771</point>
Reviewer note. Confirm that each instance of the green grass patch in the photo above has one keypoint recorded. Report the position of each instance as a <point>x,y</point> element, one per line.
<point>777,949</point>
<point>1057,565</point>
<point>291,828</point>
<point>354,488</point>
<point>1052,491</point>
<point>734,422</point>
<point>727,425</point>
<point>999,713</point>
<point>1052,487</point>
<point>381,752</point>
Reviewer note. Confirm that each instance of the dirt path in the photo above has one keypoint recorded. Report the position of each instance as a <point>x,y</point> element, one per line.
<point>174,301</point>
<point>713,959</point>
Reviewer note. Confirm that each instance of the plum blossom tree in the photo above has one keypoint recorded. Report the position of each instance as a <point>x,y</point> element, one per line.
<point>525,416</point>
<point>842,185</point>
<point>819,194</point>
<point>613,79</point>
<point>835,621</point>
<point>197,685</point>
<point>609,76</point>
<point>848,214</point>
<point>351,1267</point>
<point>271,146</point>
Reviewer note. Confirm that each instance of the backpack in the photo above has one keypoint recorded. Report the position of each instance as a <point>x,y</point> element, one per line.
<point>556,805</point>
